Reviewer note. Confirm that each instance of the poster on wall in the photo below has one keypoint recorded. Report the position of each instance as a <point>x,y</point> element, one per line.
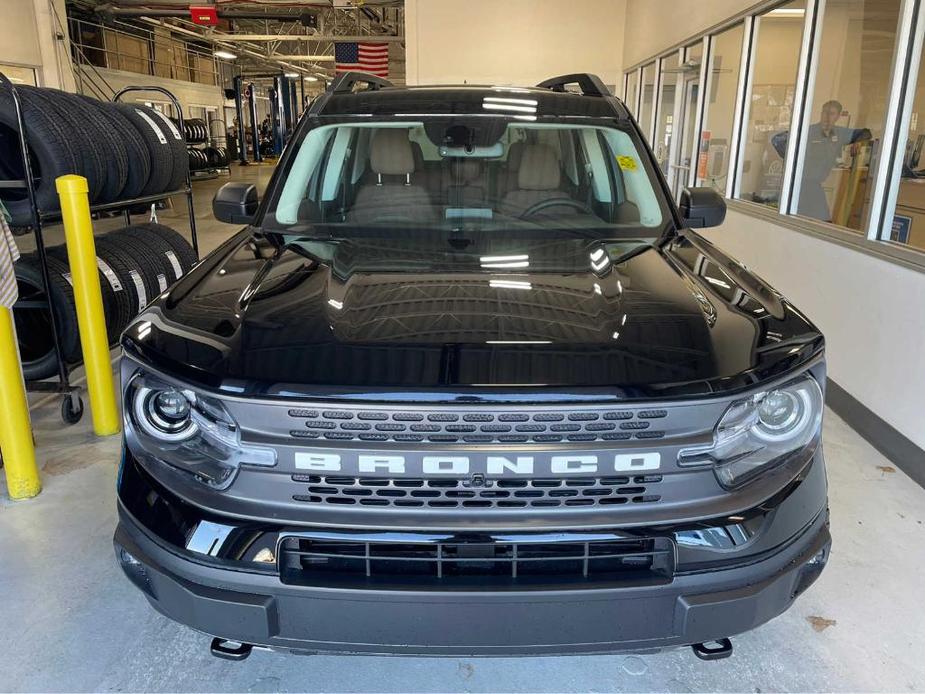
<point>902,225</point>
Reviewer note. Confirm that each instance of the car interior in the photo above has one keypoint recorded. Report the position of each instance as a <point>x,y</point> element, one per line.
<point>387,174</point>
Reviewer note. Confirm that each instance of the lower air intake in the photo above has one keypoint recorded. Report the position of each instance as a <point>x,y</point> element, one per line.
<point>476,562</point>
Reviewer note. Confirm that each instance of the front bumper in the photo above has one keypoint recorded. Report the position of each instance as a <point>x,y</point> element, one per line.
<point>698,604</point>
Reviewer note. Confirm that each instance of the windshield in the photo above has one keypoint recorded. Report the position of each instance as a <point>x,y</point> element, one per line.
<point>429,177</point>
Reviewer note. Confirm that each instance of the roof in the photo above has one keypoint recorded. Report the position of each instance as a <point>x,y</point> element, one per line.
<point>383,99</point>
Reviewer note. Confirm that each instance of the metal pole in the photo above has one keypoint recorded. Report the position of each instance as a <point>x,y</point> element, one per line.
<point>22,474</point>
<point>239,113</point>
<point>88,300</point>
<point>253,109</point>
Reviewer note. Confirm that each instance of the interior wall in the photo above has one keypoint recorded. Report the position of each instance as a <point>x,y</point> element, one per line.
<point>31,40</point>
<point>642,40</point>
<point>868,309</point>
<point>187,93</point>
<point>514,42</point>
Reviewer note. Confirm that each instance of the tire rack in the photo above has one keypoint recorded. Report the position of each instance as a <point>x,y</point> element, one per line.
<point>72,404</point>
<point>212,141</point>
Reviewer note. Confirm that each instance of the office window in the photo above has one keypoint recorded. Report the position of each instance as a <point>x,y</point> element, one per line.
<point>847,111</point>
<point>664,123</point>
<point>776,54</point>
<point>632,90</point>
<point>906,224</point>
<point>648,100</point>
<point>716,131</point>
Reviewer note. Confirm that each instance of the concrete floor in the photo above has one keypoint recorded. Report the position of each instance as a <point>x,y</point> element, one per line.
<point>72,622</point>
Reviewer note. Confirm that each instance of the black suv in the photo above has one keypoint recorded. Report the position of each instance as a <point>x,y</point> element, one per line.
<point>468,384</point>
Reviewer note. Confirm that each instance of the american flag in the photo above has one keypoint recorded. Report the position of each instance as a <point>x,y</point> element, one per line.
<point>365,57</point>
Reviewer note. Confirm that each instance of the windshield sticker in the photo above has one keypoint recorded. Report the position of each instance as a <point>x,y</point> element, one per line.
<point>626,163</point>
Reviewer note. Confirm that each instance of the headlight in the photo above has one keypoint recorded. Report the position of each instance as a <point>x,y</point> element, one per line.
<point>758,433</point>
<point>188,430</point>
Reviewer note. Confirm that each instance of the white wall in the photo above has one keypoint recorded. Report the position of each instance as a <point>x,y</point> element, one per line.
<point>653,25</point>
<point>518,42</point>
<point>29,39</point>
<point>872,312</point>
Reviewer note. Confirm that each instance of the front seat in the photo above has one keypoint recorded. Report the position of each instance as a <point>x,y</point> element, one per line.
<point>393,194</point>
<point>538,179</point>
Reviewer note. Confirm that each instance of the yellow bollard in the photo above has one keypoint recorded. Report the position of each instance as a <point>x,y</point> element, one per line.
<point>81,252</point>
<point>22,474</point>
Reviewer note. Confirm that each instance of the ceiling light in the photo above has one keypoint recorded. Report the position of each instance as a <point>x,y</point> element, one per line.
<point>225,54</point>
<point>309,78</point>
<point>293,75</point>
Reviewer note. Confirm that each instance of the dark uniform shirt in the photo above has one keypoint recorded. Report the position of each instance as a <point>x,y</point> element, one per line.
<point>822,153</point>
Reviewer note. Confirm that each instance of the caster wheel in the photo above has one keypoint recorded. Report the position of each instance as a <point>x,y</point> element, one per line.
<point>72,409</point>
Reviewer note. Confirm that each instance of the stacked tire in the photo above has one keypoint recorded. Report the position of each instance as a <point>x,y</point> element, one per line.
<point>195,130</point>
<point>136,264</point>
<point>124,150</point>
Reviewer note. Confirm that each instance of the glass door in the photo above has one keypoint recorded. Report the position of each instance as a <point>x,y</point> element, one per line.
<point>689,91</point>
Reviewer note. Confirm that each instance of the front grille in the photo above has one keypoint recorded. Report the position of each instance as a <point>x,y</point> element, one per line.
<point>485,494</point>
<point>477,562</point>
<point>479,426</point>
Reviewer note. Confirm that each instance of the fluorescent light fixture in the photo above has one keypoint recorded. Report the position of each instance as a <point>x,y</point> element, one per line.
<point>293,75</point>
<point>336,304</point>
<point>227,55</point>
<point>310,78</point>
<point>518,342</point>
<point>509,284</point>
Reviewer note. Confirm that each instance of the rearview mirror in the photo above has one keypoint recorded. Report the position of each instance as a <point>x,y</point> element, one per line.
<point>235,203</point>
<point>702,207</point>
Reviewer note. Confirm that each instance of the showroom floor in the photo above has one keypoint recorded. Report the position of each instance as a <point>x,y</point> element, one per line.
<point>72,622</point>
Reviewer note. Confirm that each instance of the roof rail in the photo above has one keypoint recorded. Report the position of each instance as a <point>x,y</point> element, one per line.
<point>591,85</point>
<point>345,82</point>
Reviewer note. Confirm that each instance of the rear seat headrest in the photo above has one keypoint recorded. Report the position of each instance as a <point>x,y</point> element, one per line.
<point>390,152</point>
<point>539,168</point>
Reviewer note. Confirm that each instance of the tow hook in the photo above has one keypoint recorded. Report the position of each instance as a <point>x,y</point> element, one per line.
<point>713,650</point>
<point>230,650</point>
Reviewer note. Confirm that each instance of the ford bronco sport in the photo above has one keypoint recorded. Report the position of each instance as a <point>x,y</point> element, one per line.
<point>468,384</point>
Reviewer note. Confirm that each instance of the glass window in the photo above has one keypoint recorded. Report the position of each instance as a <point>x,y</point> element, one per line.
<point>689,92</point>
<point>908,220</point>
<point>664,124</point>
<point>716,131</point>
<point>440,174</point>
<point>648,100</point>
<point>632,90</point>
<point>848,111</point>
<point>778,35</point>
<point>18,75</point>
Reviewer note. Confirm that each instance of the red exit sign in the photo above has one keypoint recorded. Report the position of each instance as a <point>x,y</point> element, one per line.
<point>207,16</point>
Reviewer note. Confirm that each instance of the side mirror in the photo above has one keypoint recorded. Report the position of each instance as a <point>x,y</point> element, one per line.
<point>702,207</point>
<point>235,203</point>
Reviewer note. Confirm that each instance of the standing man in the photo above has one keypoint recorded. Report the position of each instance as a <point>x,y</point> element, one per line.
<point>824,143</point>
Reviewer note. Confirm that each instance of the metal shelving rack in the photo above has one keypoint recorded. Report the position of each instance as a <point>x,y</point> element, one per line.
<point>72,404</point>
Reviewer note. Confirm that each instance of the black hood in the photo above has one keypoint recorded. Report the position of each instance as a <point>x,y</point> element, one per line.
<point>581,318</point>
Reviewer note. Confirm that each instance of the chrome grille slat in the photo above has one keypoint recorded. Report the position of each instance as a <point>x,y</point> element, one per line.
<point>460,493</point>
